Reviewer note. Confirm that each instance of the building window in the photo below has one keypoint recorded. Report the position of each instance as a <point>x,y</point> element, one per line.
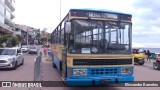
<point>3,1</point>
<point>1,9</point>
<point>1,19</point>
<point>8,15</point>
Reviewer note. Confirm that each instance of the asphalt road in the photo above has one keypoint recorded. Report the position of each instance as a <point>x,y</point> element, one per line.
<point>26,73</point>
<point>22,73</point>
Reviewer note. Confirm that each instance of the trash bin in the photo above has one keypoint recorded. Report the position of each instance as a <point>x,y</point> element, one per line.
<point>152,56</point>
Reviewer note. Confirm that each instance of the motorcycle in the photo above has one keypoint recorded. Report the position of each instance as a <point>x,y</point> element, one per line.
<point>156,64</point>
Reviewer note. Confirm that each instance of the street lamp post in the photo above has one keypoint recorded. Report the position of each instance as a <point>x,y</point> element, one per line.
<point>27,37</point>
<point>60,9</point>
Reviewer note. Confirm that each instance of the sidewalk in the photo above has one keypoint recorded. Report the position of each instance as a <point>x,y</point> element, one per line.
<point>48,73</point>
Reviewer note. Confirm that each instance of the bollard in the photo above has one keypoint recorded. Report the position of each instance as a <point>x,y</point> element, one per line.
<point>37,66</point>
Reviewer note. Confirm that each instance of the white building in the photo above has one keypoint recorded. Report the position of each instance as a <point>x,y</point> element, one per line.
<point>6,16</point>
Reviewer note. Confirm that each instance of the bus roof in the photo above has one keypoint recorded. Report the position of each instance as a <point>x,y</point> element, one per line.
<point>99,10</point>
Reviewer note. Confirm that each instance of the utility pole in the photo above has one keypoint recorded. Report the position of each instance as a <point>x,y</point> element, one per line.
<point>27,37</point>
<point>60,9</point>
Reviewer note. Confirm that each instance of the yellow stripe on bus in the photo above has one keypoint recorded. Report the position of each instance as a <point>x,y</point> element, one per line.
<point>98,66</point>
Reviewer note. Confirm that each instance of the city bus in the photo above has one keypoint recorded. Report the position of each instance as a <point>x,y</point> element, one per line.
<point>93,47</point>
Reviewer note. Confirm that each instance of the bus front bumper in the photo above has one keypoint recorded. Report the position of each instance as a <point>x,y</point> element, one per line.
<point>98,81</point>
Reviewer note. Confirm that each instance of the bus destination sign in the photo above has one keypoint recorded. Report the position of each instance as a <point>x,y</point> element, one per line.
<point>102,15</point>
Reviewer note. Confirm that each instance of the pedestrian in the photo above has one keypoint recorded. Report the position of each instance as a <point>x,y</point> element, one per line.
<point>145,54</point>
<point>137,51</point>
<point>148,55</point>
<point>45,50</point>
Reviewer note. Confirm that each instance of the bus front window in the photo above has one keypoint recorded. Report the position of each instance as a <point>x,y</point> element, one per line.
<point>91,37</point>
<point>119,37</point>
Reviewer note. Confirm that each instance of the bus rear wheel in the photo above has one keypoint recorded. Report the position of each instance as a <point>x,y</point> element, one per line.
<point>54,65</point>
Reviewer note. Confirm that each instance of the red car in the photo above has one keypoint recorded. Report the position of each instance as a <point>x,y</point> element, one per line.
<point>156,64</point>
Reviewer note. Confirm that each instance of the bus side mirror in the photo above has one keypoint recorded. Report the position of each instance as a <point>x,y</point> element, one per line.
<point>68,27</point>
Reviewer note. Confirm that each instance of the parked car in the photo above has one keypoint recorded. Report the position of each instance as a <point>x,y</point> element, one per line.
<point>32,49</point>
<point>156,64</point>
<point>24,48</point>
<point>11,57</point>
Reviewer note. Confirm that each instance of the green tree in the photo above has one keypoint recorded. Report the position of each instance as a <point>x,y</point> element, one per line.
<point>14,41</point>
<point>49,37</point>
<point>19,38</point>
<point>38,37</point>
<point>9,39</point>
<point>4,38</point>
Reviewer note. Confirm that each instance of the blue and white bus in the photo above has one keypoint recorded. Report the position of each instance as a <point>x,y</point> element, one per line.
<point>93,47</point>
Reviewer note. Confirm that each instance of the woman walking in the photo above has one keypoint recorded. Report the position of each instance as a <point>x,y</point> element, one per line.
<point>45,51</point>
<point>148,55</point>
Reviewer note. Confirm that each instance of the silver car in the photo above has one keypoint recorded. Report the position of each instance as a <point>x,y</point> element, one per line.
<point>11,57</point>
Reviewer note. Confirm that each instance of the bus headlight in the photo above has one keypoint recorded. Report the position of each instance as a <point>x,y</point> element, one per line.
<point>79,72</point>
<point>126,70</point>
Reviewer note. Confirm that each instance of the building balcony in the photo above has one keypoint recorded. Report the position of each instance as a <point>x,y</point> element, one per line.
<point>5,28</point>
<point>17,33</point>
<point>10,5</point>
<point>12,24</point>
<point>12,15</point>
<point>8,2</point>
<point>9,21</point>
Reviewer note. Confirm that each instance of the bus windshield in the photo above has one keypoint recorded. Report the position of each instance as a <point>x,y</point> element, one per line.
<point>93,36</point>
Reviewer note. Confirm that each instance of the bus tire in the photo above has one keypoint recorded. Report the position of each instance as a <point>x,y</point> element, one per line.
<point>54,65</point>
<point>15,66</point>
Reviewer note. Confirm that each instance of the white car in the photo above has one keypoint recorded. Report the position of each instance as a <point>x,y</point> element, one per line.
<point>11,57</point>
<point>32,49</point>
<point>24,48</point>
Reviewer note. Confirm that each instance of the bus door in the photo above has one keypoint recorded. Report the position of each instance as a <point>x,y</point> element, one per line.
<point>64,50</point>
<point>64,63</point>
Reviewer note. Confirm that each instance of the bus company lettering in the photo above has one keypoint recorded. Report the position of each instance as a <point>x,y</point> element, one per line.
<point>103,15</point>
<point>14,84</point>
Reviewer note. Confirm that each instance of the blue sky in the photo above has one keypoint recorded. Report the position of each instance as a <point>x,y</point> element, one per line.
<point>46,13</point>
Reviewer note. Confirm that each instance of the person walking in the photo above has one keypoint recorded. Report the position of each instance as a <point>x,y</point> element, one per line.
<point>45,51</point>
<point>148,55</point>
<point>145,54</point>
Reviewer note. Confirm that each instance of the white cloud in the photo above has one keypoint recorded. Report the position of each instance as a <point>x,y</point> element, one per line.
<point>46,13</point>
<point>137,45</point>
